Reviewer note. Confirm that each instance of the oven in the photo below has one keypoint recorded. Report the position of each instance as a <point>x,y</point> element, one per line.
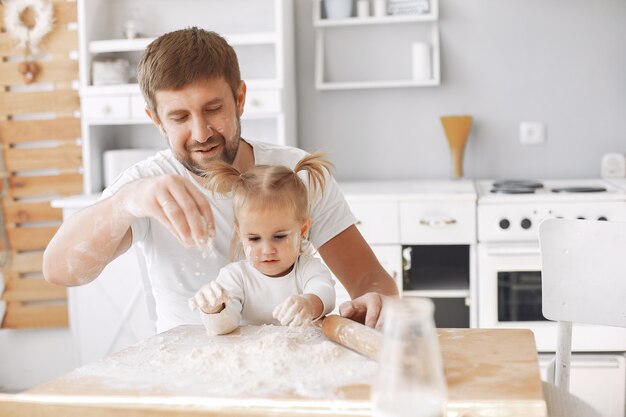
<point>509,260</point>
<point>510,297</point>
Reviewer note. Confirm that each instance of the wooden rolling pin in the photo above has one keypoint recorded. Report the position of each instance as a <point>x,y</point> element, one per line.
<point>353,335</point>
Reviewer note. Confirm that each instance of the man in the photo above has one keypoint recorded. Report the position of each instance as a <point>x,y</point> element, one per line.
<point>191,82</point>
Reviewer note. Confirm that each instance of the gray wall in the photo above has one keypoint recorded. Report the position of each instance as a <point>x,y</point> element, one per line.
<point>562,62</point>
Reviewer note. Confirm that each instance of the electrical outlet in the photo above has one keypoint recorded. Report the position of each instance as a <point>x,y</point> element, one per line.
<point>532,133</point>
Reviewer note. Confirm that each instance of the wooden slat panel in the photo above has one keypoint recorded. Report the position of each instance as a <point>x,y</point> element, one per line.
<point>23,212</point>
<point>37,130</point>
<point>65,70</point>
<point>60,40</point>
<point>24,262</point>
<point>30,238</point>
<point>64,13</point>
<point>12,103</point>
<point>65,184</point>
<point>61,157</point>
<point>19,316</point>
<point>33,290</point>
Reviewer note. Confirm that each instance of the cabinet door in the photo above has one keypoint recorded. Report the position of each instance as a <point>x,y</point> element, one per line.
<point>437,222</point>
<point>598,379</point>
<point>106,108</point>
<point>390,257</point>
<point>111,312</point>
<point>377,220</point>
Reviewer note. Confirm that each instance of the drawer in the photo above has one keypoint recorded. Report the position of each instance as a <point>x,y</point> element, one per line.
<point>262,101</point>
<point>138,109</point>
<point>106,107</point>
<point>434,223</point>
<point>377,220</point>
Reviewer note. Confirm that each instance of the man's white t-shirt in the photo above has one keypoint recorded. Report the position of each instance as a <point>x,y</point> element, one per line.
<point>254,295</point>
<point>177,272</point>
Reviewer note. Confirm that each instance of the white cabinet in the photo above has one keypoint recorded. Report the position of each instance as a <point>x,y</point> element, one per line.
<point>598,379</point>
<point>423,233</point>
<point>112,312</point>
<point>113,116</point>
<point>376,52</point>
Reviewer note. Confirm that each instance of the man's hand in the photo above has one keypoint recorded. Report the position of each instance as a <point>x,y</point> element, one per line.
<point>210,298</point>
<point>175,202</point>
<point>365,309</point>
<point>296,310</point>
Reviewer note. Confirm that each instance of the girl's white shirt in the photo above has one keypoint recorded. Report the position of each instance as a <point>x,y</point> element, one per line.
<point>254,295</point>
<point>175,272</point>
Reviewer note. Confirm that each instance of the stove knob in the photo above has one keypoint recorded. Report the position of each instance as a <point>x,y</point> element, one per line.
<point>602,219</point>
<point>504,224</point>
<point>526,223</point>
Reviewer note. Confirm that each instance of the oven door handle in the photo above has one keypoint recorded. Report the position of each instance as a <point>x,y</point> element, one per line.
<point>506,251</point>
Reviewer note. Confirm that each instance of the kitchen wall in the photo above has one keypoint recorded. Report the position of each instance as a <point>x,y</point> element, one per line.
<point>562,62</point>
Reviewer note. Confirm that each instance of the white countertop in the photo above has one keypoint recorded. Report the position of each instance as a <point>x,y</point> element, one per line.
<point>426,190</point>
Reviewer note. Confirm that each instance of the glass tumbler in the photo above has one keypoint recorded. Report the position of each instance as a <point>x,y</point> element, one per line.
<point>410,379</point>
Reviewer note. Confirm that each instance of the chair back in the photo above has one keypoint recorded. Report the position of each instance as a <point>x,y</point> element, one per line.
<point>583,271</point>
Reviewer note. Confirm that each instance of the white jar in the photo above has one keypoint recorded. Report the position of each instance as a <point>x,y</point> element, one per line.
<point>362,8</point>
<point>338,9</point>
<point>380,8</point>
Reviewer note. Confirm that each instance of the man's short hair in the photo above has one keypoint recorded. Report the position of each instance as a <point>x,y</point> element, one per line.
<point>182,57</point>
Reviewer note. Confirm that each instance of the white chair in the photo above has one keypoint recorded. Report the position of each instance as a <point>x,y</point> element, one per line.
<point>583,277</point>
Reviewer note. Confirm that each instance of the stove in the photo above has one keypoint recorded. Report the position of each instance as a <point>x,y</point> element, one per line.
<point>511,210</point>
<point>509,257</point>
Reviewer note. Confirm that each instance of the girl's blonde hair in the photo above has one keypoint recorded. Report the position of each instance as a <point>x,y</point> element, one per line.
<point>269,187</point>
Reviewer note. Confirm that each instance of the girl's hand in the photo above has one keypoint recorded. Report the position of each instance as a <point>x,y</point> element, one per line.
<point>210,298</point>
<point>296,310</point>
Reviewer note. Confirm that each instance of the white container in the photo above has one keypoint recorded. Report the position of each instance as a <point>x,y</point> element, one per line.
<point>613,165</point>
<point>110,72</point>
<point>421,61</point>
<point>338,9</point>
<point>363,8</point>
<point>380,8</point>
<point>114,162</point>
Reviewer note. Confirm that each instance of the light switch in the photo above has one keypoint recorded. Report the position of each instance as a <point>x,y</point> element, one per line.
<point>532,133</point>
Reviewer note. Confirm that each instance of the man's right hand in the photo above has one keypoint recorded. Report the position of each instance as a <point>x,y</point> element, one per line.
<point>175,202</point>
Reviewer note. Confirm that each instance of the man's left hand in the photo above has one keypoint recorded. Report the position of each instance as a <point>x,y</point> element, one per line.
<point>365,309</point>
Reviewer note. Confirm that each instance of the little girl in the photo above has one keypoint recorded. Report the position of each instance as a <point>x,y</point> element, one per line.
<point>277,283</point>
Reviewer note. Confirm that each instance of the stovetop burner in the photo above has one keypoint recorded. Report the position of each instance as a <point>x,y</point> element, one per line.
<point>517,184</point>
<point>515,187</point>
<point>579,190</point>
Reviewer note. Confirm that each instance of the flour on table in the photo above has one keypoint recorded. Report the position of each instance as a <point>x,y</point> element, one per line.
<point>263,361</point>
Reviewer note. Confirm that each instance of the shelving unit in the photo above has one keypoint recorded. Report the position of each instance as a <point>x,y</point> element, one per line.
<point>324,26</point>
<point>113,116</point>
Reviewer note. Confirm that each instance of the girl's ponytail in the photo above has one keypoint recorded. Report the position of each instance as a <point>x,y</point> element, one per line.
<point>315,165</point>
<point>221,177</point>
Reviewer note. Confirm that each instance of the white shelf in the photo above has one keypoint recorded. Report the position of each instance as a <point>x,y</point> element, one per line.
<point>386,20</point>
<point>134,45</point>
<point>322,25</point>
<point>353,85</point>
<point>261,32</point>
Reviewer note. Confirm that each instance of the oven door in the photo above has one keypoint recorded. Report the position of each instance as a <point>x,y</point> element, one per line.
<point>509,296</point>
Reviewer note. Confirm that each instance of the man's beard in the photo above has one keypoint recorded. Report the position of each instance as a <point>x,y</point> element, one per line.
<point>227,155</point>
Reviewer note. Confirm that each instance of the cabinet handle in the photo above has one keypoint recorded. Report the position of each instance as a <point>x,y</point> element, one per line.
<point>358,223</point>
<point>437,223</point>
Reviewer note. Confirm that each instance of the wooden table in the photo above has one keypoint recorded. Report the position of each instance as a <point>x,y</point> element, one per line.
<point>490,372</point>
